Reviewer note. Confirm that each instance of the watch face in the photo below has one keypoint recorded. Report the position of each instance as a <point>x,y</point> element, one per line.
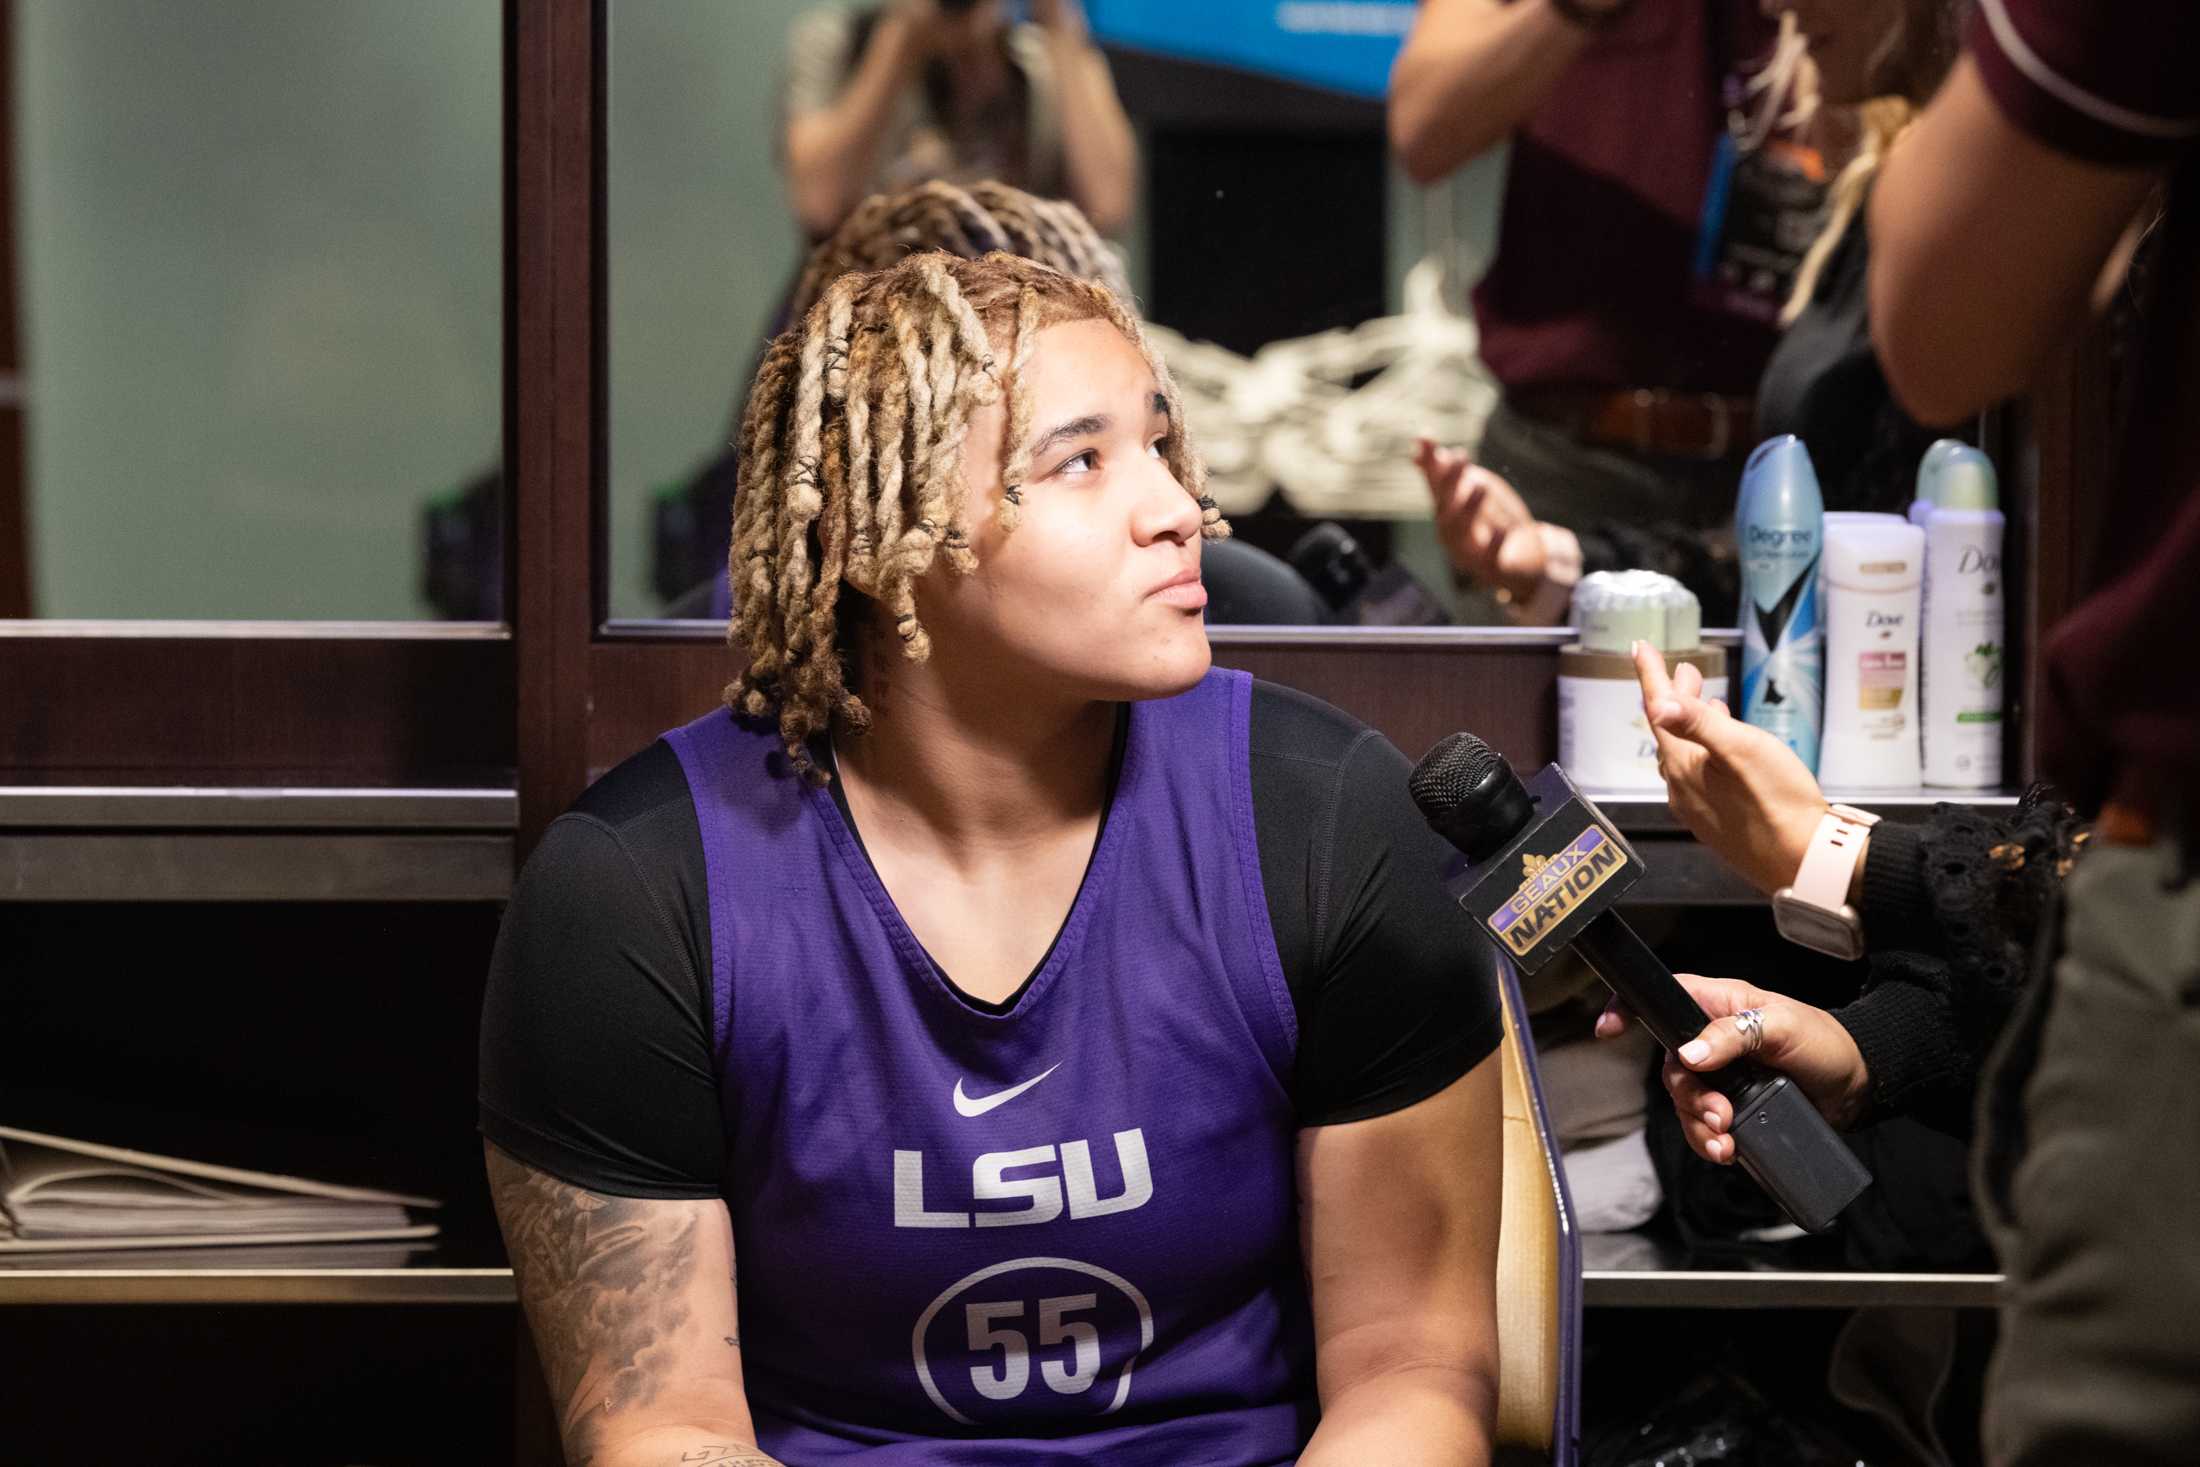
<point>1816,928</point>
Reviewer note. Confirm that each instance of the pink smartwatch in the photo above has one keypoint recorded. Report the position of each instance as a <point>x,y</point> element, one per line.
<point>1815,910</point>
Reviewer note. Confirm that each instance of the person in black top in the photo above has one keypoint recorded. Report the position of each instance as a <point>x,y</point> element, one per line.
<point>969,537</point>
<point>608,934</point>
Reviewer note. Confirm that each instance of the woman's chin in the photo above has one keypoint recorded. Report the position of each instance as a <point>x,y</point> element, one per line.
<point>1110,671</point>
<point>1176,666</point>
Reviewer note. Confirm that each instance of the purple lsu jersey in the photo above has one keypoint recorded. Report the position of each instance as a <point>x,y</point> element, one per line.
<point>1066,1232</point>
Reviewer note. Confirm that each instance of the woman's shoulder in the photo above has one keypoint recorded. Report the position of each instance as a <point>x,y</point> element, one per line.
<point>620,873</point>
<point>635,826</point>
<point>638,790</point>
<point>1294,725</point>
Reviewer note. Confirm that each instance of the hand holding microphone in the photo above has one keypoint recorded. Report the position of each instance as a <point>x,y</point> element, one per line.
<point>1802,1042</point>
<point>1540,869</point>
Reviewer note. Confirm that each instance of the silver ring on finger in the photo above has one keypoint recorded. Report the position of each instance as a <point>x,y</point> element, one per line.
<point>1752,1024</point>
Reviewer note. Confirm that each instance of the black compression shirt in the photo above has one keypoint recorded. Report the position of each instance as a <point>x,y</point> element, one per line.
<point>596,1061</point>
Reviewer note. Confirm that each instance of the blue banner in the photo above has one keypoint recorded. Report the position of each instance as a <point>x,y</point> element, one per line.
<point>1342,45</point>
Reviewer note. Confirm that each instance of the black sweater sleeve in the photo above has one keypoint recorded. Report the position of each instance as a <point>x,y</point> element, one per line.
<point>1952,909</point>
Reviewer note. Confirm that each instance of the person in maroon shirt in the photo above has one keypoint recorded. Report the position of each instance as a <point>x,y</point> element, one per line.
<point>2004,214</point>
<point>1625,380</point>
<point>1993,231</point>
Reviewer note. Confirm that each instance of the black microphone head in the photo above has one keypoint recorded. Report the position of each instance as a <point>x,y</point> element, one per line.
<point>1332,563</point>
<point>1470,796</point>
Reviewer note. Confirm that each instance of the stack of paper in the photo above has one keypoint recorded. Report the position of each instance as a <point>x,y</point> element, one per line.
<point>59,1195</point>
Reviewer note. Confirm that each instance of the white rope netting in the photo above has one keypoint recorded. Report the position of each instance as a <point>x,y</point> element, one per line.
<point>1289,418</point>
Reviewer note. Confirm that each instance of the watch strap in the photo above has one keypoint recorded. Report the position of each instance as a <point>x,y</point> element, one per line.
<point>1829,863</point>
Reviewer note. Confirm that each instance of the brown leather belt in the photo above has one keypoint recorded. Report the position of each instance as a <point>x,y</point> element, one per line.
<point>1656,422</point>
<point>2124,825</point>
<point>2143,808</point>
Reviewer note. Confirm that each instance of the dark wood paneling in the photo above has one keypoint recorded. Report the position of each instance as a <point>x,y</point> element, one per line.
<point>2055,521</point>
<point>152,709</point>
<point>643,688</point>
<point>1504,691</point>
<point>1508,694</point>
<point>556,125</point>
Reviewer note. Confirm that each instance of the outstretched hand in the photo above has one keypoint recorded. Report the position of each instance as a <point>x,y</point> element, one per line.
<point>1737,788</point>
<point>1482,522</point>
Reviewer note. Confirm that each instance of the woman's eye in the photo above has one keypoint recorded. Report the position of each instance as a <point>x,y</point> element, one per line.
<point>1089,459</point>
<point>1159,448</point>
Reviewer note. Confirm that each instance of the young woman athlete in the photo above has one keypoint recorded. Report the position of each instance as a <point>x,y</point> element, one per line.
<point>995,1036</point>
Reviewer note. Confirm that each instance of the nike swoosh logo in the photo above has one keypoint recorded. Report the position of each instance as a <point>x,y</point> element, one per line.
<point>966,1106</point>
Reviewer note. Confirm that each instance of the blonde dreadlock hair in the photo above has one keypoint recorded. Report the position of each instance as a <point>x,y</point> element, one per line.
<point>969,220</point>
<point>1908,64</point>
<point>852,451</point>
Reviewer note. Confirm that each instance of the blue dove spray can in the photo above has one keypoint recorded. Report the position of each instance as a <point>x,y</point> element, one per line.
<point>1778,531</point>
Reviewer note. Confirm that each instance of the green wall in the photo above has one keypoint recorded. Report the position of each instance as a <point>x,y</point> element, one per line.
<point>260,288</point>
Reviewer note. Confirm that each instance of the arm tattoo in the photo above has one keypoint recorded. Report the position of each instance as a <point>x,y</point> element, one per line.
<point>726,1456</point>
<point>602,1279</point>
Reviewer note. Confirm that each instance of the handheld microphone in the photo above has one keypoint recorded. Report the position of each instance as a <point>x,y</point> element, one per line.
<point>1540,868</point>
<point>1357,589</point>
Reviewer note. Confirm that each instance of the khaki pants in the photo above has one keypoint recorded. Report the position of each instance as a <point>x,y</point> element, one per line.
<point>2089,1179</point>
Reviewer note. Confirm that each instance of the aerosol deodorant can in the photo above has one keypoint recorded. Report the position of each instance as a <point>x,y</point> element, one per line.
<point>1778,531</point>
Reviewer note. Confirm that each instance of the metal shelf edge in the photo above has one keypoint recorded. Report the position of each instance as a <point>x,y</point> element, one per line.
<point>1760,1289</point>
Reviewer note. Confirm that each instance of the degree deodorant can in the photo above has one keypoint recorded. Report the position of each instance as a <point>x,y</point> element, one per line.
<point>1778,531</point>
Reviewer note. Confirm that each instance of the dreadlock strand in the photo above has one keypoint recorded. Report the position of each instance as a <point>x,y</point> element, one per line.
<point>759,449</point>
<point>947,491</point>
<point>846,508</point>
<point>1016,461</point>
<point>916,444</point>
<point>750,561</point>
<point>969,329</point>
<point>916,644</point>
<point>823,359</point>
<point>854,517</point>
<point>866,535</point>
